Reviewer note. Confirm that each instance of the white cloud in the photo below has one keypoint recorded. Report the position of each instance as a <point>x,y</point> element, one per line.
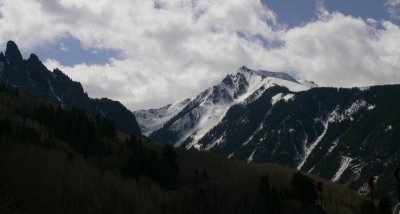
<point>344,51</point>
<point>169,52</point>
<point>393,7</point>
<point>321,11</point>
<point>176,48</point>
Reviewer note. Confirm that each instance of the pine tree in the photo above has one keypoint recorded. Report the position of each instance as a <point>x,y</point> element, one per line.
<point>171,168</point>
<point>385,205</point>
<point>265,191</point>
<point>303,188</point>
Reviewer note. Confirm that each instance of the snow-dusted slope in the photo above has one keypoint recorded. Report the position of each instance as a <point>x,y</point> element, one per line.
<point>153,119</point>
<point>197,117</point>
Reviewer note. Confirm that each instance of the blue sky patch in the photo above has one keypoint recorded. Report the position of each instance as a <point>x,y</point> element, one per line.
<point>294,12</point>
<point>69,52</point>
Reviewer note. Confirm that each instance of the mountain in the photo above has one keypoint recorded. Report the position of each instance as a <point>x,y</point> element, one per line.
<point>33,77</point>
<point>59,160</point>
<point>188,121</point>
<point>345,135</point>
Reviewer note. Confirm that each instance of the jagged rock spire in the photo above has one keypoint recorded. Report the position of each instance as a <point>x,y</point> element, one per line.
<point>13,54</point>
<point>36,65</point>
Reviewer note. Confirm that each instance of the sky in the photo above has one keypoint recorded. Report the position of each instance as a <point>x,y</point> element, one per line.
<point>149,53</point>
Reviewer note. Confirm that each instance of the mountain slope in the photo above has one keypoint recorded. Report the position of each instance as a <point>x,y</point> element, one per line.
<point>346,135</point>
<point>33,77</point>
<point>153,119</point>
<point>205,111</point>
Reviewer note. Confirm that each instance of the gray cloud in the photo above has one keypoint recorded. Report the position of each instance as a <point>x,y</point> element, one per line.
<point>175,48</point>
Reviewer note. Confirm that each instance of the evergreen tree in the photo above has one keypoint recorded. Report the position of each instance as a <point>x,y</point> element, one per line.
<point>136,161</point>
<point>276,206</point>
<point>5,127</point>
<point>204,177</point>
<point>171,168</point>
<point>367,207</point>
<point>265,191</point>
<point>107,128</point>
<point>385,205</point>
<point>303,188</point>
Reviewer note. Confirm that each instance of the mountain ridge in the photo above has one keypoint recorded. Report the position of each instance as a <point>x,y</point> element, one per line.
<point>265,73</point>
<point>32,76</point>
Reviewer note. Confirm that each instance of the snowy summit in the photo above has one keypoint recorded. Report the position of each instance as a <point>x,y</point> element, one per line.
<point>192,118</point>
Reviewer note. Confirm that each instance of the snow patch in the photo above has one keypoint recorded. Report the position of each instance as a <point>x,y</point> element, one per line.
<point>333,146</point>
<point>264,74</point>
<point>255,95</point>
<point>54,93</point>
<point>356,169</point>
<point>153,119</point>
<point>210,116</point>
<point>250,158</point>
<point>365,88</point>
<point>308,150</point>
<point>288,97</point>
<point>309,84</point>
<point>276,98</point>
<point>217,142</point>
<point>371,107</point>
<point>344,164</point>
<point>355,107</point>
<point>256,81</point>
<point>336,116</point>
<point>292,86</point>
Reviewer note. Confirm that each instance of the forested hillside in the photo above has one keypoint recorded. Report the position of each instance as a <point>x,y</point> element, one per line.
<point>64,161</point>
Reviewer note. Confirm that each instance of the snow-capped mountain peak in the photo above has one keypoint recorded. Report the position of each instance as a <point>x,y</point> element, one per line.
<point>264,74</point>
<point>191,119</point>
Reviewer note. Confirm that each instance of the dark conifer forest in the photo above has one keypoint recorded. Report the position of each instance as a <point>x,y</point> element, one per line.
<point>55,160</point>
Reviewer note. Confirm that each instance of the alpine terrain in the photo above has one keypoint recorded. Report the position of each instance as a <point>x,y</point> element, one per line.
<point>62,160</point>
<point>347,135</point>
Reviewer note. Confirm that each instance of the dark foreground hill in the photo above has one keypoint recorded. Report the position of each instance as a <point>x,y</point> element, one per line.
<point>33,77</point>
<point>54,160</point>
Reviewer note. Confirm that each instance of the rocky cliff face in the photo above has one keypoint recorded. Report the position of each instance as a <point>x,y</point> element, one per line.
<point>33,77</point>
